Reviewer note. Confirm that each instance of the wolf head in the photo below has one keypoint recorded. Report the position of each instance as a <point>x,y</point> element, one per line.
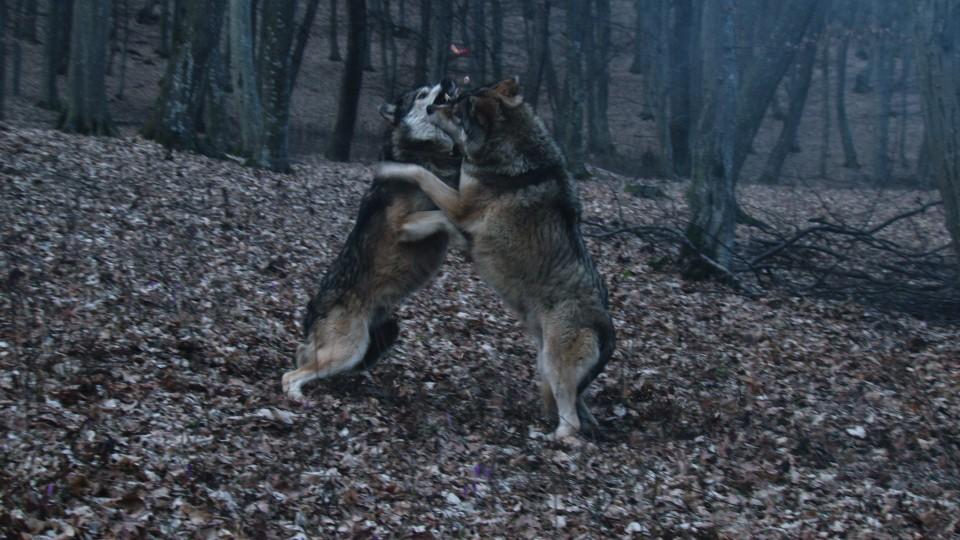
<point>411,133</point>
<point>492,126</point>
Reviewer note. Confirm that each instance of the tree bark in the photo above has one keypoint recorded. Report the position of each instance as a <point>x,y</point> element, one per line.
<point>538,13</point>
<point>423,43</point>
<point>388,53</point>
<point>276,37</point>
<point>638,63</point>
<point>843,123</point>
<point>496,29</point>
<point>342,137</point>
<point>121,86</point>
<point>883,60</point>
<point>681,116</point>
<point>479,26</point>
<point>443,32</point>
<point>332,40</point>
<point>3,60</point>
<point>656,69</point>
<point>166,29</point>
<point>600,140</point>
<point>938,61</point>
<point>568,125</point>
<point>245,84</point>
<point>799,88</point>
<point>373,17</point>
<point>825,106</point>
<point>27,20</point>
<point>300,45</point>
<point>86,107</point>
<point>176,115</point>
<point>711,231</point>
<point>50,98</point>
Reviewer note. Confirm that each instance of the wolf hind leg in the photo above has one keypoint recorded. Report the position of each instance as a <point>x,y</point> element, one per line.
<point>382,338</point>
<point>568,357</point>
<point>341,353</point>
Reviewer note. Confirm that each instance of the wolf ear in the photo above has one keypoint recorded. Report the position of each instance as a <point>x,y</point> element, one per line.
<point>484,109</point>
<point>509,91</point>
<point>389,112</point>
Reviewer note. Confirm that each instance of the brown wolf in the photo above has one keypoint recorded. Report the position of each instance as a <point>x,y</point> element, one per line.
<point>518,209</point>
<point>349,323</point>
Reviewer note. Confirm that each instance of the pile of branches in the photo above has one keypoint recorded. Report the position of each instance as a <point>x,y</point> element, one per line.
<point>828,258</point>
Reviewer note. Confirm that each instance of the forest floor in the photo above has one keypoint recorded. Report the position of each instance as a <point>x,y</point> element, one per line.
<point>151,302</point>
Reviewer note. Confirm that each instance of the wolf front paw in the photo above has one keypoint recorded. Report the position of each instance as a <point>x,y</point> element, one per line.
<point>398,172</point>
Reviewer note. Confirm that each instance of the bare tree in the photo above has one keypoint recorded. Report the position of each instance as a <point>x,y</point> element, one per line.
<point>639,37</point>
<point>479,41</point>
<point>421,60</point>
<point>882,61</point>
<point>847,12</point>
<point>710,233</point>
<point>245,84</point>
<point>86,106</point>
<point>55,28</point>
<point>600,140</point>
<point>938,60</point>
<point>342,137</point>
<point>332,34</point>
<point>568,124</point>
<point>3,61</point>
<point>682,73</point>
<point>27,20</point>
<point>536,14</point>
<point>656,69</point>
<point>825,105</point>
<point>496,31</point>
<point>176,118</point>
<point>442,34</point>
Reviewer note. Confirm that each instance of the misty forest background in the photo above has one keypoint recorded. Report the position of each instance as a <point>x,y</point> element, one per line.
<point>771,189</point>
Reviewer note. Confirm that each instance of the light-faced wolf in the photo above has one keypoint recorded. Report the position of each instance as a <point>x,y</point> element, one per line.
<point>349,323</point>
<point>515,197</point>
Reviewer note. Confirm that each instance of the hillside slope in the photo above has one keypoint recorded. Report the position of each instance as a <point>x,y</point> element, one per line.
<point>151,302</point>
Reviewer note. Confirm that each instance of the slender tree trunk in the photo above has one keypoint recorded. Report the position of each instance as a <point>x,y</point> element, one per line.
<point>843,123</point>
<point>656,69</point>
<point>443,32</point>
<point>3,60</point>
<point>166,29</point>
<point>176,116</point>
<point>539,14</point>
<point>245,85</point>
<point>342,138</point>
<point>799,88</point>
<point>711,231</point>
<point>121,86</point>
<point>51,55</point>
<point>423,43</point>
<point>86,107</point>
<point>636,66</point>
<point>905,71</point>
<point>276,37</point>
<point>63,49</point>
<point>402,13</point>
<point>17,66</point>
<point>216,125</point>
<point>568,126</point>
<point>27,20</point>
<point>496,29</point>
<point>300,45</point>
<point>373,17</point>
<point>883,60</point>
<point>601,140</point>
<point>938,61</point>
<point>681,118</point>
<point>479,16</point>
<point>763,76</point>
<point>334,43</point>
<point>825,104</point>
<point>388,52</point>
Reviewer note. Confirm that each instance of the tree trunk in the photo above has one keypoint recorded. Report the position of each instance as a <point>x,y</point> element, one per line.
<point>443,32</point>
<point>300,45</point>
<point>539,15</point>
<point>373,17</point>
<point>166,29</point>
<point>423,43</point>
<point>600,140</point>
<point>656,69</point>
<point>799,88</point>
<point>3,60</point>
<point>332,34</point>
<point>568,125</point>
<point>711,231</point>
<point>882,59</point>
<point>245,84</point>
<point>479,26</point>
<point>767,70</point>
<point>27,20</point>
<point>177,113</point>
<point>63,49</point>
<point>216,125</point>
<point>276,37</point>
<point>496,28</point>
<point>388,53</point>
<point>121,86</point>
<point>342,137</point>
<point>86,107</point>
<point>50,98</point>
<point>637,65</point>
<point>681,118</point>
<point>843,123</point>
<point>825,106</point>
<point>938,61</point>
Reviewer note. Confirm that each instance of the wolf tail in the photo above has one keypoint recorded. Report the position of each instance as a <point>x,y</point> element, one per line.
<point>607,343</point>
<point>382,338</point>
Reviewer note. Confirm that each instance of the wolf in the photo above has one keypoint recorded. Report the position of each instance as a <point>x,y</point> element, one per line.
<point>518,209</point>
<point>349,323</point>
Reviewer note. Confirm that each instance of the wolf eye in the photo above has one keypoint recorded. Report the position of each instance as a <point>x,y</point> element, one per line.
<point>421,95</point>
